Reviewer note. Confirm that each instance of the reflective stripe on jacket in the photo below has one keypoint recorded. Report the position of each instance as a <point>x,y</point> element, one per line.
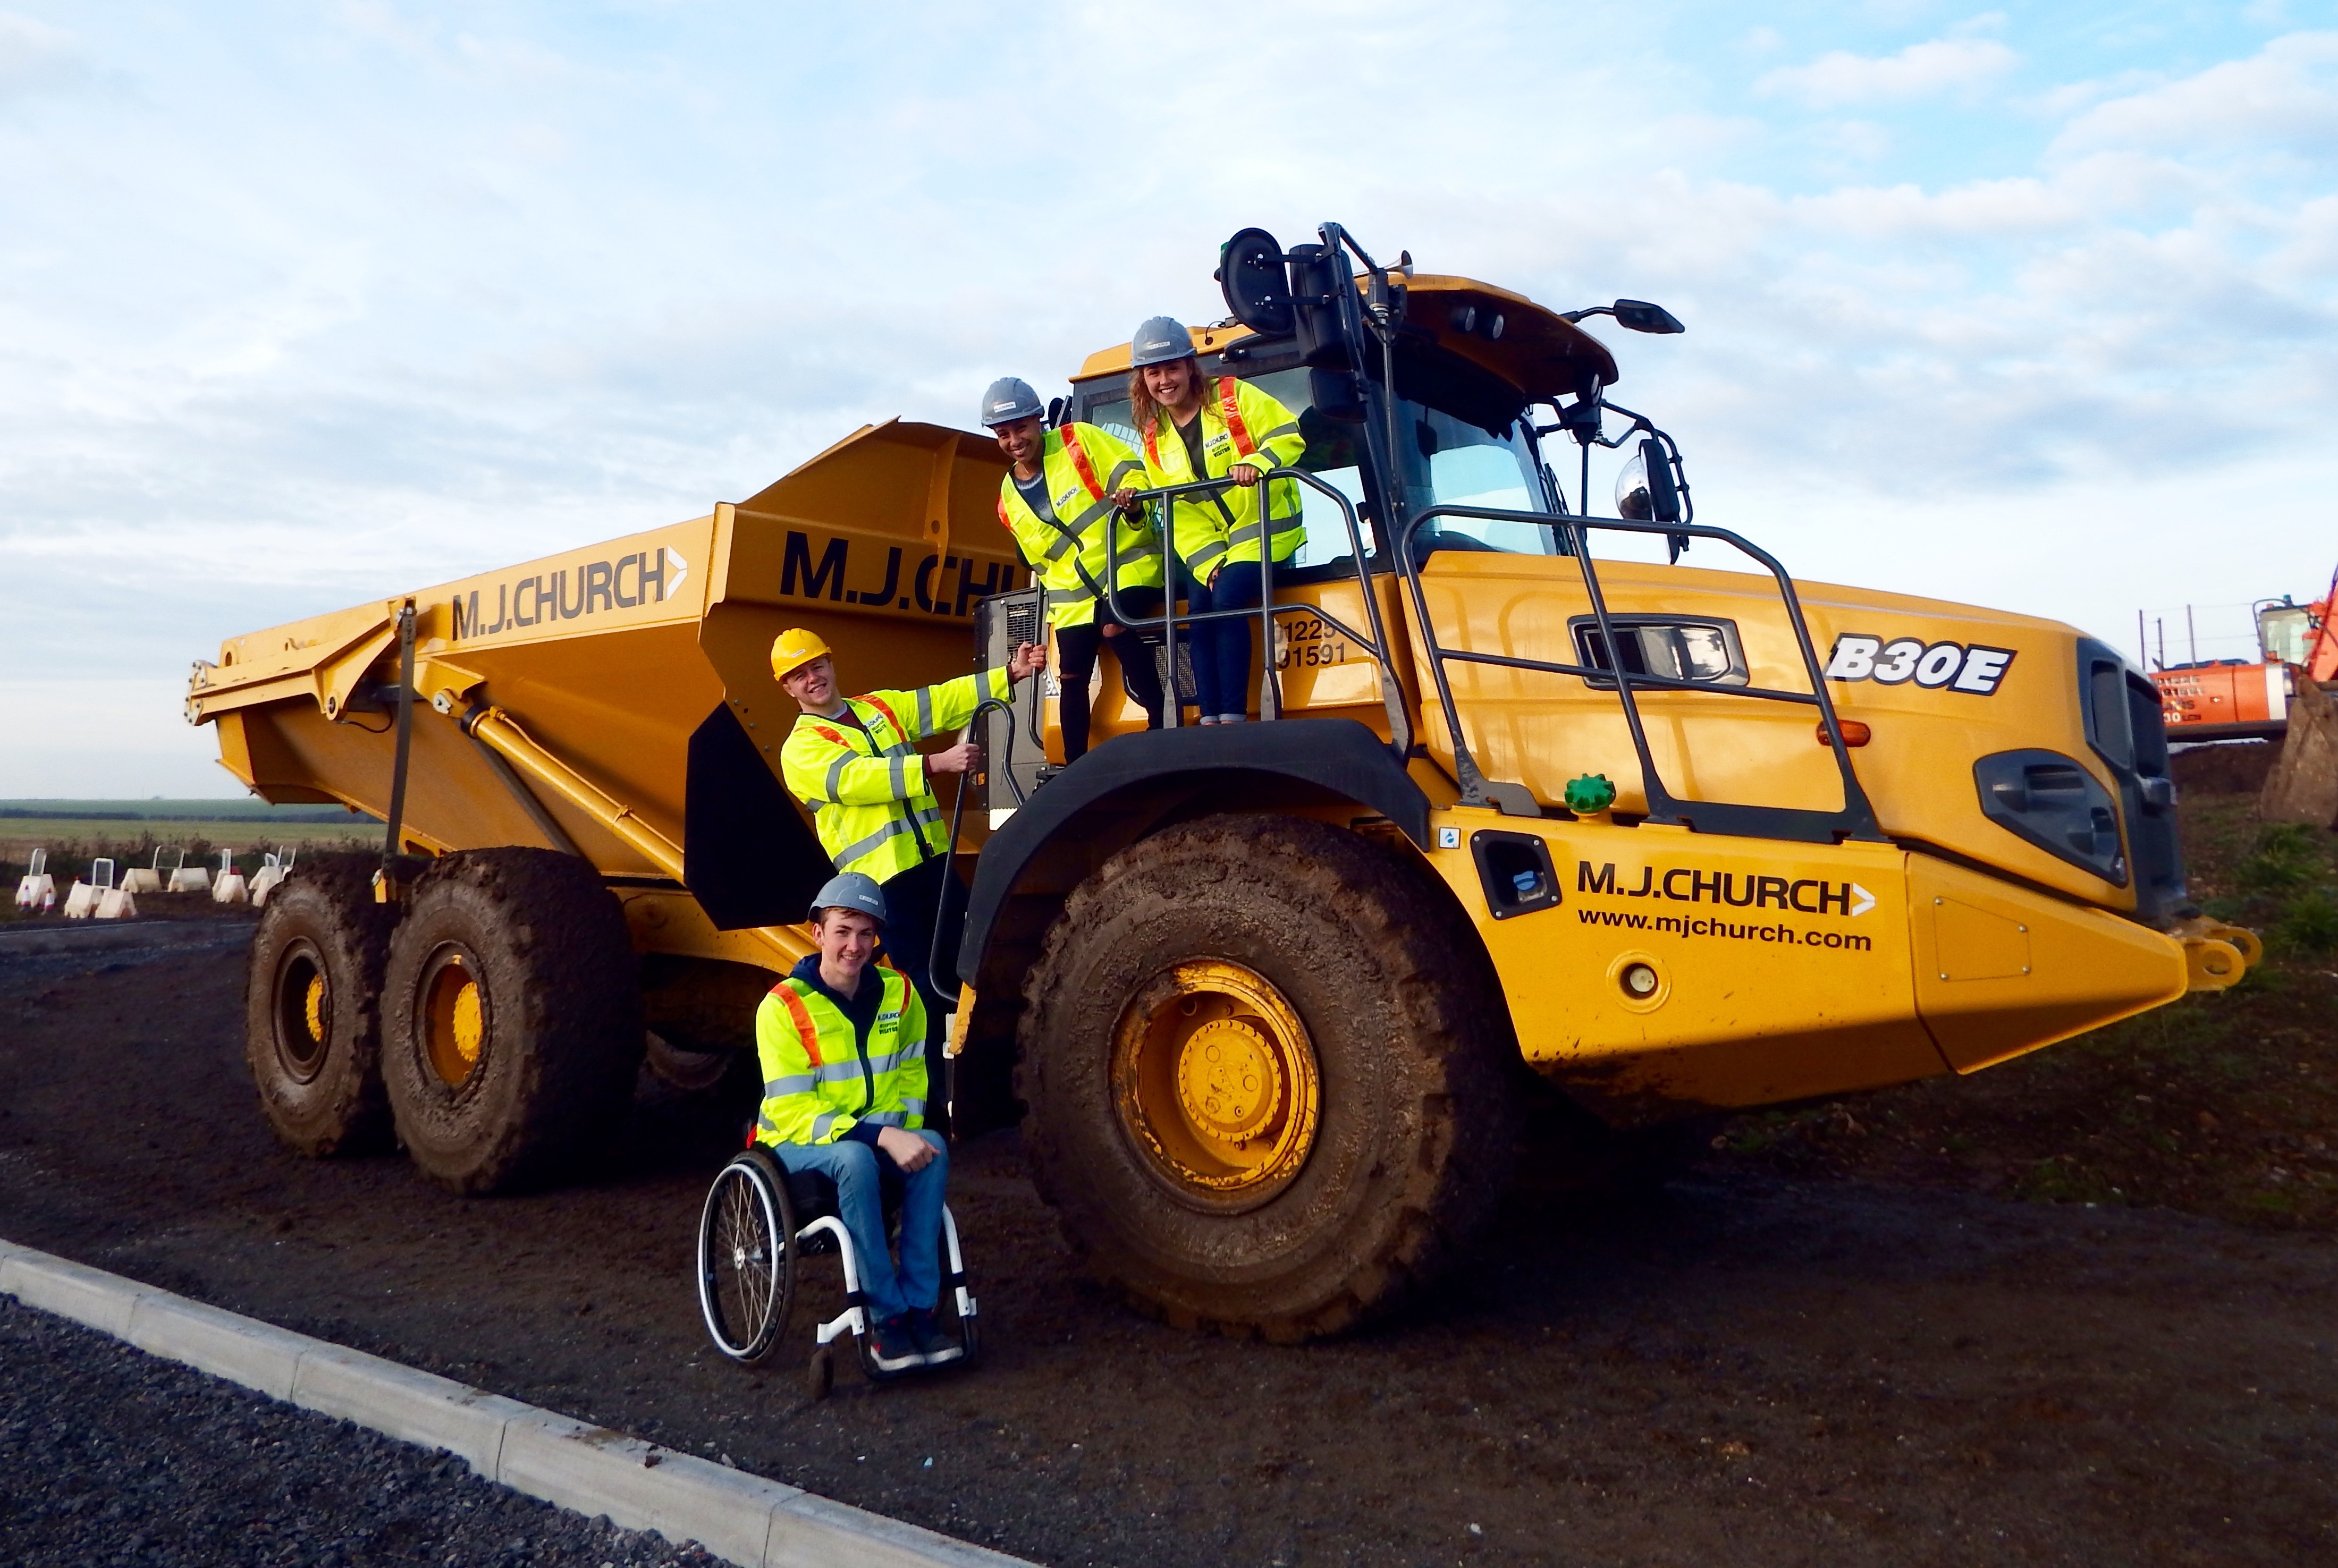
<point>1241,423</point>
<point>869,793</point>
<point>1081,465</point>
<point>818,1080</point>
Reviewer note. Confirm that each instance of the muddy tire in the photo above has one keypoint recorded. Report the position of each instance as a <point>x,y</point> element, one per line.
<point>1267,1073</point>
<point>312,1025</point>
<point>691,1071</point>
<point>512,1022</point>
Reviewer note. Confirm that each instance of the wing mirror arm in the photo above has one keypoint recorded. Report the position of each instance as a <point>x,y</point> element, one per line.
<point>1633,315</point>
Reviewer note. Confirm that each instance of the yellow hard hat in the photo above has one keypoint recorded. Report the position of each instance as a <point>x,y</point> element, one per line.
<point>793,649</point>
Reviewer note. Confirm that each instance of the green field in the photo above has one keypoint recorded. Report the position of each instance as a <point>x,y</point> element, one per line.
<point>18,834</point>
<point>243,809</point>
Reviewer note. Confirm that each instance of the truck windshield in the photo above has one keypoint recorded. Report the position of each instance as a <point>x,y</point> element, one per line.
<point>1447,461</point>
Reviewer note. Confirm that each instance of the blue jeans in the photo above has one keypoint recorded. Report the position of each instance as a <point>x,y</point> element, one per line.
<point>853,1168</point>
<point>1221,650</point>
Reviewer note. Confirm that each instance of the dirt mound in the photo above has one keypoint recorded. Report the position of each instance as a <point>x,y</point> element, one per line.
<point>2230,768</point>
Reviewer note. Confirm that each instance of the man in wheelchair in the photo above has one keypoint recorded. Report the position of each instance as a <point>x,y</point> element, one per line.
<point>842,1043</point>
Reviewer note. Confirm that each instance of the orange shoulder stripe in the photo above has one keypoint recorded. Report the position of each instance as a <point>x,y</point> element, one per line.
<point>801,1014</point>
<point>1229,407</point>
<point>1080,462</point>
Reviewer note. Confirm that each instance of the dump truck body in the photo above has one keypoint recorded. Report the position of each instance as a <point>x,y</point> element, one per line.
<point>618,700</point>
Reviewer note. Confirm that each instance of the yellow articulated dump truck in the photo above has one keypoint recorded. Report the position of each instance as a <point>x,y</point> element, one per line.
<point>1534,812</point>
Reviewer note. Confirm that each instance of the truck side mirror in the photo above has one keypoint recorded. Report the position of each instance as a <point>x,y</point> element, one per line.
<point>1664,496</point>
<point>1257,289</point>
<point>1316,276</point>
<point>1639,315</point>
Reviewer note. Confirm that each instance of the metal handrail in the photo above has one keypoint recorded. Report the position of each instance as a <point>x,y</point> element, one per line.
<point>1856,819</point>
<point>1167,496</point>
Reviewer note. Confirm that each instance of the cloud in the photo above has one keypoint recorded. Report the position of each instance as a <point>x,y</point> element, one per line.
<point>2285,98</point>
<point>1838,78</point>
<point>36,57</point>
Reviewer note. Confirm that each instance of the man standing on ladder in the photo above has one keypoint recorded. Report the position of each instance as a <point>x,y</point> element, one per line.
<point>854,761</point>
<point>1053,501</point>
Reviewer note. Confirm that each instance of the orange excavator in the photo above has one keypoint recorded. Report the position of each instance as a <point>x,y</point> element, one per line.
<point>2230,700</point>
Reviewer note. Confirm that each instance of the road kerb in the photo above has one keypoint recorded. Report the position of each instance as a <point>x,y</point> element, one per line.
<point>744,1519</point>
<point>596,1471</point>
<point>256,1355</point>
<point>401,1402</point>
<point>813,1532</point>
<point>88,1295</point>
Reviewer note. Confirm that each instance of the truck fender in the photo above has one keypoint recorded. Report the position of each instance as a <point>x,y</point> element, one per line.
<point>1133,785</point>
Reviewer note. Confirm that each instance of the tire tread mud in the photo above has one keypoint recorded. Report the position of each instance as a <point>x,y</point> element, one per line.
<point>1422,997</point>
<point>344,1109</point>
<point>566,1033</point>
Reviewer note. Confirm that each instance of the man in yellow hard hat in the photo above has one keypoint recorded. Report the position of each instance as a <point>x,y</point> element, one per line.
<point>854,761</point>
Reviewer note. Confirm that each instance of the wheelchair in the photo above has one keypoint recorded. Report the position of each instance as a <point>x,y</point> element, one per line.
<point>759,1221</point>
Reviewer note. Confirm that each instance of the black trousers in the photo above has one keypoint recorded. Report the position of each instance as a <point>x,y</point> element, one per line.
<point>1076,652</point>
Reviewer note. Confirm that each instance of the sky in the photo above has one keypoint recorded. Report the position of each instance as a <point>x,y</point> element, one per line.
<point>302,304</point>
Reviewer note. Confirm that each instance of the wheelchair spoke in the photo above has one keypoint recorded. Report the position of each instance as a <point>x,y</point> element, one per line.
<point>742,1244</point>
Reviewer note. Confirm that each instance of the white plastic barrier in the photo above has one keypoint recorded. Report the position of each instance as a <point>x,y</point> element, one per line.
<point>82,900</point>
<point>117,904</point>
<point>231,889</point>
<point>36,892</point>
<point>273,869</point>
<point>189,880</point>
<point>141,879</point>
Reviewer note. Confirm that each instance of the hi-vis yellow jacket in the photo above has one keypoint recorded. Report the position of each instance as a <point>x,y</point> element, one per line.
<point>1239,424</point>
<point>1081,464</point>
<point>818,1080</point>
<point>869,793</point>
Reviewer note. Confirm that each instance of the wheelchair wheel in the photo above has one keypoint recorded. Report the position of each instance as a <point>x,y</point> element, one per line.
<point>747,1259</point>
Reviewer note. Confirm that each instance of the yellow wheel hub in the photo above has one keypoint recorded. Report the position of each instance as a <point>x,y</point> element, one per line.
<point>312,1008</point>
<point>1215,1079</point>
<point>1227,1081</point>
<point>456,1023</point>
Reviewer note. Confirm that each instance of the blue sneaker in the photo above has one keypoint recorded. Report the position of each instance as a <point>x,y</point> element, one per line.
<point>934,1345</point>
<point>893,1346</point>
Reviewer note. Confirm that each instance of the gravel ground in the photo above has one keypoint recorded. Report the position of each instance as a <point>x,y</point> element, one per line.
<point>1752,1368</point>
<point>111,1455</point>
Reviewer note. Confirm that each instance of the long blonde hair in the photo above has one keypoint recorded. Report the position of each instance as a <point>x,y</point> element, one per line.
<point>1143,412</point>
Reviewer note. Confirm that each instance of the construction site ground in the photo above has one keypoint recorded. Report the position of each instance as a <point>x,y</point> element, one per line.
<point>2078,1309</point>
